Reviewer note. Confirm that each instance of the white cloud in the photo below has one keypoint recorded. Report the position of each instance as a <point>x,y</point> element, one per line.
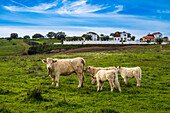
<point>78,7</point>
<point>38,9</point>
<point>68,8</point>
<point>165,11</point>
<point>120,8</point>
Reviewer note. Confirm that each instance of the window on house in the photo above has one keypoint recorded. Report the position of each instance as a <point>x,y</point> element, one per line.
<point>115,38</point>
<point>118,38</point>
<point>125,38</point>
<point>124,34</point>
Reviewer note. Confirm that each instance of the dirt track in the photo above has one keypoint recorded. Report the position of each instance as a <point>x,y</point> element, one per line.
<point>96,49</point>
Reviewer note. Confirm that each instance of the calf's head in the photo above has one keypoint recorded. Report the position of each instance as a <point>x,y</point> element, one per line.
<point>49,63</point>
<point>88,69</point>
<point>93,80</point>
<point>118,68</point>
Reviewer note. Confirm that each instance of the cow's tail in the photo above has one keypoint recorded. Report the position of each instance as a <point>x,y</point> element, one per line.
<point>83,62</point>
<point>140,73</point>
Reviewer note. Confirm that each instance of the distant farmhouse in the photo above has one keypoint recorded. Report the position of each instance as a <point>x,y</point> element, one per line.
<point>152,37</point>
<point>121,36</point>
<point>94,35</point>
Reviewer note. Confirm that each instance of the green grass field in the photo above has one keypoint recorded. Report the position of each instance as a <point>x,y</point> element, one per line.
<point>22,76</point>
<point>12,47</point>
<point>47,41</point>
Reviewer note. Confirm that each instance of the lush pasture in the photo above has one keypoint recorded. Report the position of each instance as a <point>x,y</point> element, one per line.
<point>12,47</point>
<point>26,87</point>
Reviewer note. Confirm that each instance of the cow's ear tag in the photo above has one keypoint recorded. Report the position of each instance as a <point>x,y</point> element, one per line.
<point>44,61</point>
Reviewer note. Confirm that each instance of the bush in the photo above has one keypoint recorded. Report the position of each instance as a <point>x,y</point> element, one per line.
<point>35,93</point>
<point>159,40</point>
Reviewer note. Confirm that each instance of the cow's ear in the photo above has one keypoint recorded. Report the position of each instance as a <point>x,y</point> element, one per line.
<point>93,77</point>
<point>44,61</point>
<point>118,66</point>
<point>54,61</point>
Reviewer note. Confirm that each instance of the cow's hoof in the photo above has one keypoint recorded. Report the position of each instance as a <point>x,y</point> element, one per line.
<point>57,86</point>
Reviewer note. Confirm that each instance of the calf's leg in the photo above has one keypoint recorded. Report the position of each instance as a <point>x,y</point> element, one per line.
<point>126,80</point>
<point>118,85</point>
<point>102,83</point>
<point>111,84</point>
<point>138,81</point>
<point>98,85</point>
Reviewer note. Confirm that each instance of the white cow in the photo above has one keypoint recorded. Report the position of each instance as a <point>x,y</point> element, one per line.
<point>106,75</point>
<point>57,67</point>
<point>130,73</point>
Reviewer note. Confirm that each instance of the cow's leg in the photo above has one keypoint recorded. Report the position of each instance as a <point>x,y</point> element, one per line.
<point>57,80</point>
<point>138,81</point>
<point>53,81</point>
<point>126,80</point>
<point>80,77</point>
<point>118,85</point>
<point>102,83</point>
<point>111,84</point>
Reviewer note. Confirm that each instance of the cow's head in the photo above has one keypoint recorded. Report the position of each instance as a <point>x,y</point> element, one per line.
<point>93,80</point>
<point>49,63</point>
<point>88,69</point>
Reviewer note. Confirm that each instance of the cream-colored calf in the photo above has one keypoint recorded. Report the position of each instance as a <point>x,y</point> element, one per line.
<point>130,73</point>
<point>106,75</point>
<point>93,70</point>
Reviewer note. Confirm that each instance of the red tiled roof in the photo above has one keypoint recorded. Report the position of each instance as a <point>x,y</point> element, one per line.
<point>83,35</point>
<point>93,33</point>
<point>156,33</point>
<point>148,37</point>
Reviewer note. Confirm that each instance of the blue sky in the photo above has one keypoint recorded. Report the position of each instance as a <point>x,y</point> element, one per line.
<point>76,17</point>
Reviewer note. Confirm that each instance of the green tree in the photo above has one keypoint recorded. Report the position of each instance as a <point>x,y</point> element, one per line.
<point>101,35</point>
<point>14,35</point>
<point>60,36</point>
<point>129,35</point>
<point>88,37</point>
<point>133,38</point>
<point>9,39</point>
<point>111,34</point>
<point>51,34</point>
<point>159,40</point>
<point>141,39</point>
<point>37,35</point>
<point>26,37</point>
<point>148,41</point>
<point>105,38</point>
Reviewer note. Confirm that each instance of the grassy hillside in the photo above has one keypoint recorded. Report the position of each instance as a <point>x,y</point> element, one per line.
<point>12,47</point>
<point>26,87</point>
<point>47,41</point>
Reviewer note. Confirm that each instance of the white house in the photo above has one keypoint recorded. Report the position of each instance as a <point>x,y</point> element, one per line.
<point>93,34</point>
<point>120,36</point>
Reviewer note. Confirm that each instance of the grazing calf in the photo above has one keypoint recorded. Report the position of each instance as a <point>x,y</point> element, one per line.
<point>106,75</point>
<point>93,70</point>
<point>130,73</point>
<point>57,67</point>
